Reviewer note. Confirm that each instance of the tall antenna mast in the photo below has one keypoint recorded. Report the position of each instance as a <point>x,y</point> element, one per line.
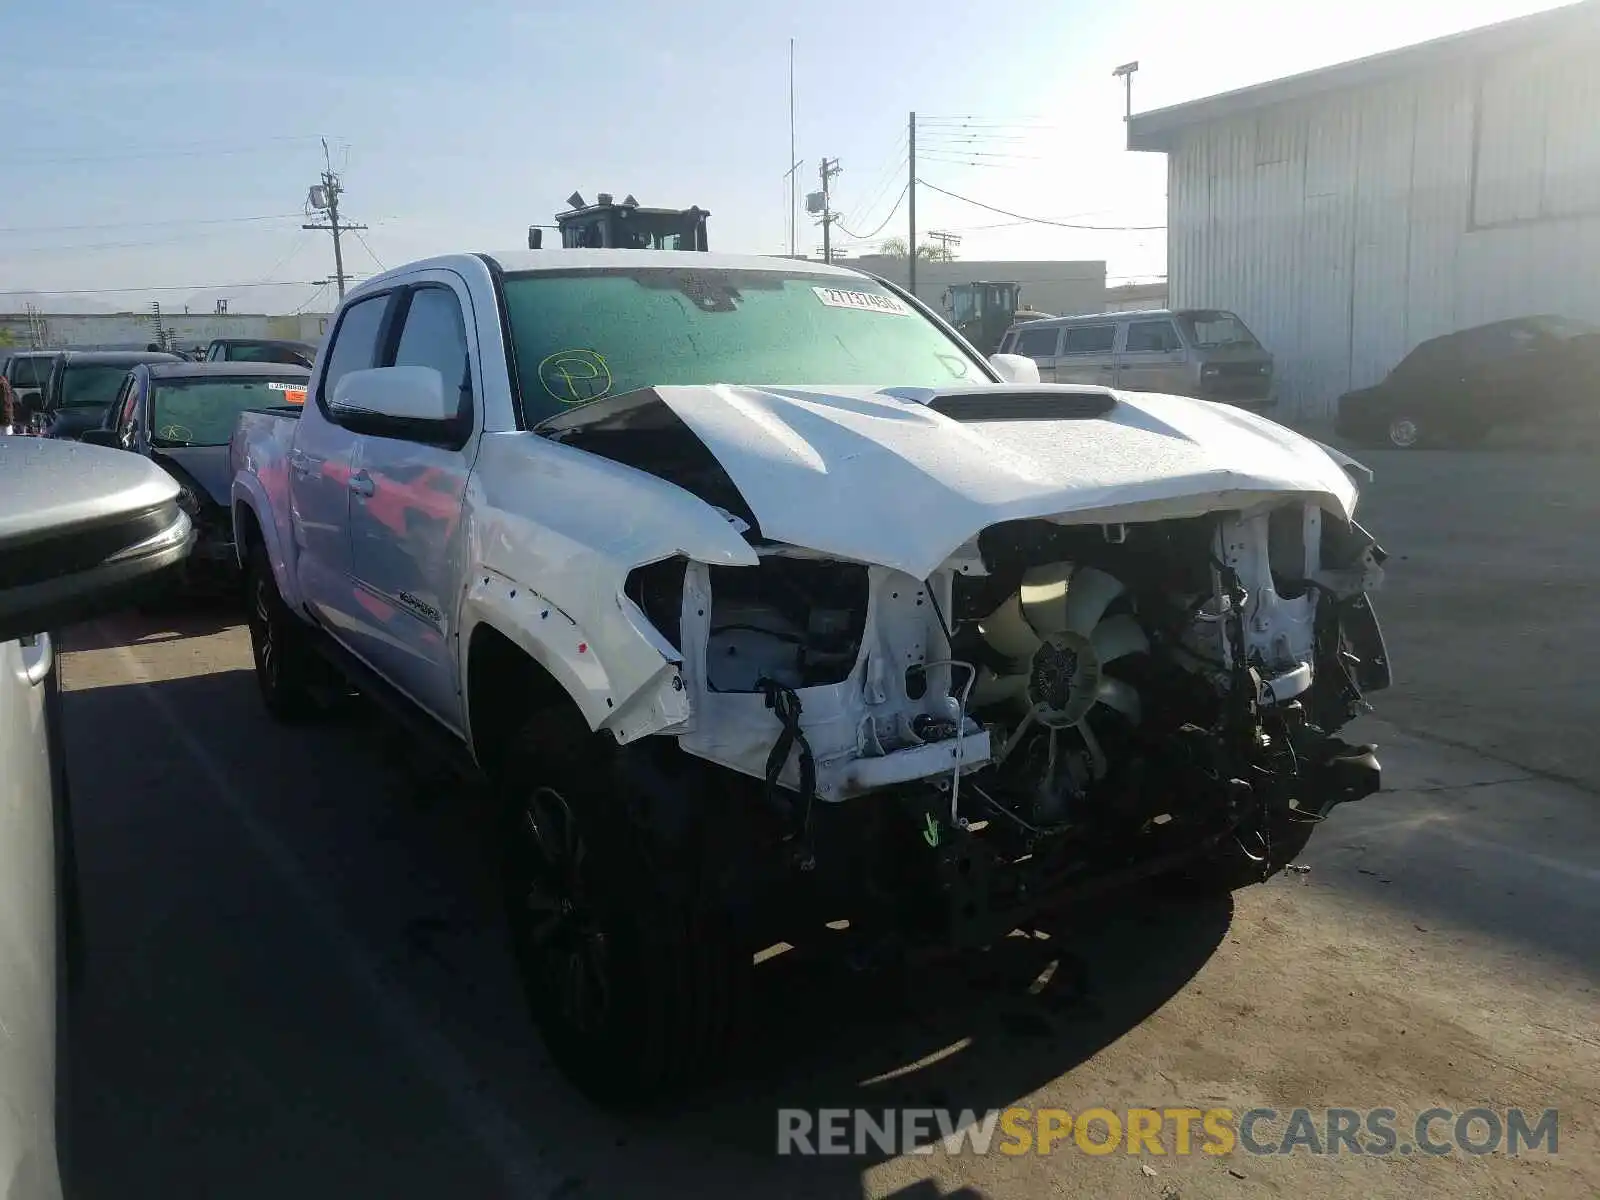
<point>794,182</point>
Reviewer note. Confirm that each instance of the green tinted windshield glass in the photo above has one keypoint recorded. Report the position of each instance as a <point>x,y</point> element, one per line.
<point>201,412</point>
<point>581,335</point>
<point>92,385</point>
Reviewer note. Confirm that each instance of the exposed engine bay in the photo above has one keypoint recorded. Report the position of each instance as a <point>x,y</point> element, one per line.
<point>997,643</point>
<point>1055,692</point>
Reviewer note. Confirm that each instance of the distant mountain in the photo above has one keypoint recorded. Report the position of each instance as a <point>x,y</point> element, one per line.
<point>53,304</point>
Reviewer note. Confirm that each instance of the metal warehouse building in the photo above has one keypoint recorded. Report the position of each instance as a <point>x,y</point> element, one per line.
<point>1350,213</point>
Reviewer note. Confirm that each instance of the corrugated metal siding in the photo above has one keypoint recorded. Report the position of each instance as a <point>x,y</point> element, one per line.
<point>1346,231</point>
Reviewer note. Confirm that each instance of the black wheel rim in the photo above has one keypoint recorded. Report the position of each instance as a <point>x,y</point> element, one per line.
<point>266,644</point>
<point>563,942</point>
<point>1403,432</point>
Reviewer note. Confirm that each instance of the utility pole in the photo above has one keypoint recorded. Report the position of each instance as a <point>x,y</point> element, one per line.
<point>911,193</point>
<point>946,241</point>
<point>828,168</point>
<point>324,197</point>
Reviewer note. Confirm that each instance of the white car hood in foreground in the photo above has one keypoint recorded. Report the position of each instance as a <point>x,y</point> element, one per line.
<point>879,477</point>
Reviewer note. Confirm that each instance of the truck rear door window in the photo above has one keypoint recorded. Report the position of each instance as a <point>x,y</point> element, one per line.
<point>1089,339</point>
<point>1038,343</point>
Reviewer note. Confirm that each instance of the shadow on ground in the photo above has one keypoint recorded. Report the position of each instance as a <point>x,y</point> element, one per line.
<point>169,621</point>
<point>244,884</point>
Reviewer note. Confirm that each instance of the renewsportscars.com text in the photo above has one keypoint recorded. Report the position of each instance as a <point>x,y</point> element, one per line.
<point>1168,1131</point>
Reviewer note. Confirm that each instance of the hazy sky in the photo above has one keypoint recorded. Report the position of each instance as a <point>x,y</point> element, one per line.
<point>169,145</point>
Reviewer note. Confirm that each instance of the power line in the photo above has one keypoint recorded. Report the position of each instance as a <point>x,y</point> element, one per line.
<point>879,193</point>
<point>882,180</point>
<point>313,298</point>
<point>867,237</point>
<point>167,152</point>
<point>356,230</point>
<point>74,247</point>
<point>966,153</point>
<point>1041,220</point>
<point>294,248</point>
<point>174,287</point>
<point>146,224</point>
<point>945,157</point>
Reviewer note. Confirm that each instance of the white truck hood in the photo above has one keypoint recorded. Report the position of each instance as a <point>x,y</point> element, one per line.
<point>879,476</point>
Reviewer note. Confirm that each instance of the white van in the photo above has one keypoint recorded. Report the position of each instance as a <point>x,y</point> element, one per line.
<point>1206,353</point>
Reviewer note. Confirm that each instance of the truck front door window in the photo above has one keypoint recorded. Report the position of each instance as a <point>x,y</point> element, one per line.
<point>355,344</point>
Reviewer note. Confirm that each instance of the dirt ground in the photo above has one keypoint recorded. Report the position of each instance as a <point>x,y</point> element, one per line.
<point>297,983</point>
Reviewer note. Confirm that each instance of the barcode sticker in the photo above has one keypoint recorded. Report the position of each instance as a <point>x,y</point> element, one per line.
<point>292,393</point>
<point>864,301</point>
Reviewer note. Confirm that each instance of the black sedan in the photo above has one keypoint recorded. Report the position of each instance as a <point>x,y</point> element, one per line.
<point>181,414</point>
<point>1452,390</point>
<point>83,384</point>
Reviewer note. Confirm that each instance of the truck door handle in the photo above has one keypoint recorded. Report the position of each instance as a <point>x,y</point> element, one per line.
<point>361,484</point>
<point>40,660</point>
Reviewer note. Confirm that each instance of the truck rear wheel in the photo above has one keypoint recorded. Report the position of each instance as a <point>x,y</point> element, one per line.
<point>285,662</point>
<point>636,991</point>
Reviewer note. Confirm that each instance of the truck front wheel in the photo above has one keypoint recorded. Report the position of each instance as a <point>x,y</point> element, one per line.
<point>284,660</point>
<point>635,990</point>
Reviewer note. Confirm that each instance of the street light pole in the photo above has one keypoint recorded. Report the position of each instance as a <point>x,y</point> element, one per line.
<point>1125,73</point>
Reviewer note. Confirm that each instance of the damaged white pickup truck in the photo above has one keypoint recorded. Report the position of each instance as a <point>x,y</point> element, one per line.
<point>766,602</point>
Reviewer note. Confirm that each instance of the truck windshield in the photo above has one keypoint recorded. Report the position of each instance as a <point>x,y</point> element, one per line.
<point>202,412</point>
<point>582,335</point>
<point>91,385</point>
<point>1211,328</point>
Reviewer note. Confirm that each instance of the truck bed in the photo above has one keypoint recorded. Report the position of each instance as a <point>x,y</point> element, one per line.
<point>259,459</point>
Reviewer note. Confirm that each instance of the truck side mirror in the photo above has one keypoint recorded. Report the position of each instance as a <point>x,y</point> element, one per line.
<point>398,393</point>
<point>535,238</point>
<point>1015,368</point>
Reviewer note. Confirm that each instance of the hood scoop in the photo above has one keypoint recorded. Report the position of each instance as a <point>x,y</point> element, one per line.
<point>993,404</point>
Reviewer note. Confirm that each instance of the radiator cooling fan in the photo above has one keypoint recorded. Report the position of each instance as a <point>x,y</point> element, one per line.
<point>1058,640</point>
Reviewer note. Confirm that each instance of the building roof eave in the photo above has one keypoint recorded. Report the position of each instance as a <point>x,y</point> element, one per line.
<point>1159,130</point>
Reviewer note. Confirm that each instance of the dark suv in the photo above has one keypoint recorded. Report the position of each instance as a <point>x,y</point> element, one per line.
<point>83,385</point>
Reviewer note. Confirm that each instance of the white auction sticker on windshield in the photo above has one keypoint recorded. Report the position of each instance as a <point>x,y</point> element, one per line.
<point>865,301</point>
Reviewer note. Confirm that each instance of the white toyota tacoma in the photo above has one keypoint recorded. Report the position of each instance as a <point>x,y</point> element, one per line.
<point>765,601</point>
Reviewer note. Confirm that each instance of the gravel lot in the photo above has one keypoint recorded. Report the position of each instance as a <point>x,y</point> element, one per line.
<point>297,985</point>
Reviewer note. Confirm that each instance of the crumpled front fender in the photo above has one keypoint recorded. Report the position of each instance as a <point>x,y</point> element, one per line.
<point>555,533</point>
